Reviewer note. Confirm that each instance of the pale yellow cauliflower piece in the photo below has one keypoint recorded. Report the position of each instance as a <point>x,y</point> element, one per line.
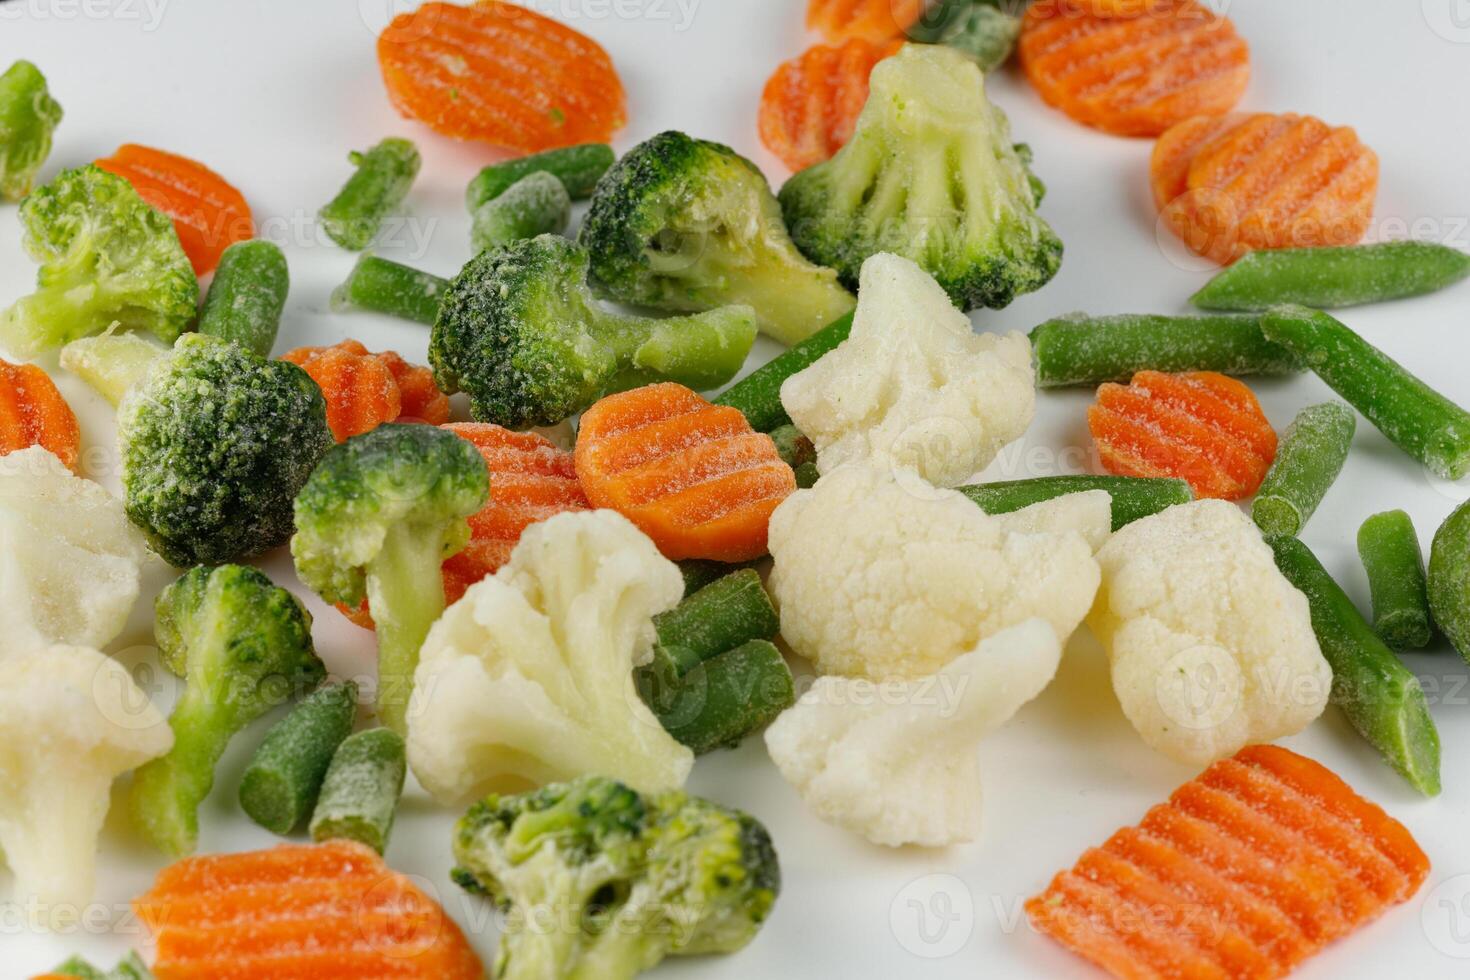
<point>1212,648</point>
<point>913,387</point>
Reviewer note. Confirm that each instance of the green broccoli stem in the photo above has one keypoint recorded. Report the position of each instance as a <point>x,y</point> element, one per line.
<point>701,351</point>
<point>625,948</point>
<point>112,363</point>
<point>167,792</point>
<point>406,594</point>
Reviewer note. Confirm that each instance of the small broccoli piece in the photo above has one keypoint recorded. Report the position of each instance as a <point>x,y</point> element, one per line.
<point>130,967</point>
<point>685,224</point>
<point>243,646</point>
<point>28,117</point>
<point>106,257</point>
<point>522,335</point>
<point>985,30</point>
<point>929,174</point>
<point>215,443</point>
<point>376,520</point>
<point>623,879</point>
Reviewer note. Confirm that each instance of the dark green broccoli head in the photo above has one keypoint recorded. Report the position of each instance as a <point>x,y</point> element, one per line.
<point>930,174</point>
<point>215,443</point>
<point>28,117</point>
<point>106,257</point>
<point>686,224</point>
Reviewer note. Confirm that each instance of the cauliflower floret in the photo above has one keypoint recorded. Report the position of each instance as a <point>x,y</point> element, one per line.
<point>529,677</point>
<point>71,720</point>
<point>1089,513</point>
<point>897,763</point>
<point>1212,648</point>
<point>913,386</point>
<point>70,562</point>
<point>876,580</point>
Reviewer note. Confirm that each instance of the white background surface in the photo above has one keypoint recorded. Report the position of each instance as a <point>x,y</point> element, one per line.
<point>273,94</point>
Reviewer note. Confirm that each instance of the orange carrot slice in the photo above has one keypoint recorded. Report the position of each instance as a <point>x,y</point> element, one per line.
<point>500,73</point>
<point>1247,871</point>
<point>1201,427</point>
<point>695,477</point>
<point>1134,75</point>
<point>209,214</point>
<point>365,390</point>
<point>810,105</point>
<point>419,396</point>
<point>867,20</point>
<point>33,413</point>
<point>300,911</point>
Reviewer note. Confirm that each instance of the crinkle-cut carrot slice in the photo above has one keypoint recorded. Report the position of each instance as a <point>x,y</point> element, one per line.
<point>1175,151</point>
<point>867,20</point>
<point>419,397</point>
<point>500,73</point>
<point>359,386</point>
<point>1137,74</point>
<point>209,214</point>
<point>810,106</point>
<point>693,476</point>
<point>33,413</point>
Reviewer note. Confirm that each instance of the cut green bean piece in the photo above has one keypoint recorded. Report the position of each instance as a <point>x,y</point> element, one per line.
<point>699,572</point>
<point>722,700</point>
<point>577,167</point>
<point>807,475</point>
<point>28,119</point>
<point>1311,455</point>
<point>281,783</point>
<point>383,286</point>
<point>720,616</point>
<point>1134,497</point>
<point>1380,696</point>
<point>384,175</point>
<point>1415,417</point>
<point>360,795</point>
<point>1328,278</point>
<point>1389,547</point>
<point>1449,579</point>
<point>534,205</point>
<point>794,447</point>
<point>247,296</point>
<point>1088,350</point>
<point>758,394</point>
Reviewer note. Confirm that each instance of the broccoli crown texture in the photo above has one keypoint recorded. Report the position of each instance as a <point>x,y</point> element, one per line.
<point>603,882</point>
<point>396,476</point>
<point>215,443</point>
<point>521,334</point>
<point>106,257</point>
<point>28,117</point>
<point>930,174</point>
<point>686,224</point>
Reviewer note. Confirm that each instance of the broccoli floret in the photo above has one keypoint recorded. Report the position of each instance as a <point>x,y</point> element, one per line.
<point>376,520</point>
<point>929,174</point>
<point>603,883</point>
<point>216,441</point>
<point>521,334</point>
<point>106,257</point>
<point>243,646</point>
<point>685,224</point>
<point>28,117</point>
<point>985,30</point>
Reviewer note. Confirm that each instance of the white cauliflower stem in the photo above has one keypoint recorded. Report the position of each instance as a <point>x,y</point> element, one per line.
<point>1212,648</point>
<point>898,764</point>
<point>71,720</point>
<point>876,581</point>
<point>529,677</point>
<point>913,386</point>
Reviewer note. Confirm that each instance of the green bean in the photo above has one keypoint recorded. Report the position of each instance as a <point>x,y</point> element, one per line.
<point>1389,547</point>
<point>699,572</point>
<point>247,296</point>
<point>719,617</point>
<point>1311,455</point>
<point>1134,497</point>
<point>723,699</point>
<point>281,783</point>
<point>1327,278</point>
<point>795,448</point>
<point>807,475</point>
<point>1449,579</point>
<point>577,167</point>
<point>384,175</point>
<point>1416,418</point>
<point>387,287</point>
<point>758,394</point>
<point>1380,696</point>
<point>1084,350</point>
<point>534,205</point>
<point>361,791</point>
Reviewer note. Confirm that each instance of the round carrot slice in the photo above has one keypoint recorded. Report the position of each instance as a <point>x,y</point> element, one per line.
<point>867,20</point>
<point>359,387</point>
<point>420,399</point>
<point>500,73</point>
<point>811,104</point>
<point>695,477</point>
<point>208,213</point>
<point>33,413</point>
<point>1134,75</point>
